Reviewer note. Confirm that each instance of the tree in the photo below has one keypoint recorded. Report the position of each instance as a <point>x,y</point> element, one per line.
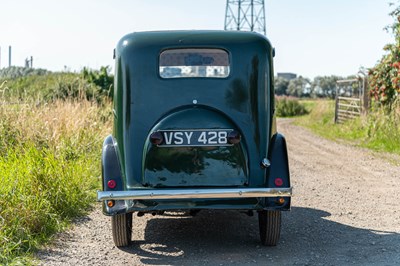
<point>324,86</point>
<point>384,78</point>
<point>281,86</point>
<point>299,87</point>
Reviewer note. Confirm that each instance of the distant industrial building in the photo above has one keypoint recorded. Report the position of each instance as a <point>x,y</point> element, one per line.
<point>288,76</point>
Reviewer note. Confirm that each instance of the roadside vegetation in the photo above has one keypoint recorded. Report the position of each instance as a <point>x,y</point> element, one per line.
<point>289,107</point>
<point>51,130</point>
<point>379,130</point>
<point>20,85</point>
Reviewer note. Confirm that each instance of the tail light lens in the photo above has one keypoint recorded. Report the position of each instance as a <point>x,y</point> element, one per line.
<point>280,201</point>
<point>111,184</point>
<point>278,182</point>
<point>110,203</point>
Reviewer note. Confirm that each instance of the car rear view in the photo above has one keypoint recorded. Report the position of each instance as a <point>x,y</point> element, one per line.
<point>194,129</point>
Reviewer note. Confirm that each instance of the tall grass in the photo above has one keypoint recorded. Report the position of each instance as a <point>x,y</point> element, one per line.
<point>379,130</point>
<point>49,169</point>
<point>383,128</point>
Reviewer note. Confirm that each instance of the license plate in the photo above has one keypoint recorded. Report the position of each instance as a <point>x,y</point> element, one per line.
<point>195,137</point>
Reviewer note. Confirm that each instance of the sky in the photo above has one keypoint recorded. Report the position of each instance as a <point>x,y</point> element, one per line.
<point>311,37</point>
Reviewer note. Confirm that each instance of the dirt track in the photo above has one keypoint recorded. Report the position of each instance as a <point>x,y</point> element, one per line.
<point>346,210</point>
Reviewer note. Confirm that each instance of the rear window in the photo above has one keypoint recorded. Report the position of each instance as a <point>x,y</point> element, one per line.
<point>194,63</point>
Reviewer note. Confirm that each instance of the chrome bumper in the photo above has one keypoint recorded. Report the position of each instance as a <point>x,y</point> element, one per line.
<point>209,193</point>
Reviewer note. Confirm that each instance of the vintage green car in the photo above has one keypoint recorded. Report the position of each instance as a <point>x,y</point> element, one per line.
<point>194,128</point>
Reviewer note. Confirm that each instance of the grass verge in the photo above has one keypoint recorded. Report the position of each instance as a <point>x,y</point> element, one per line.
<point>379,130</point>
<point>49,169</point>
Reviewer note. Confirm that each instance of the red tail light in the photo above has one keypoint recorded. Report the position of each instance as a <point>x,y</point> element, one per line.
<point>278,182</point>
<point>111,184</point>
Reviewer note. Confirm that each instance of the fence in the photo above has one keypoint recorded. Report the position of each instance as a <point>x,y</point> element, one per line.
<point>351,98</point>
<point>347,108</point>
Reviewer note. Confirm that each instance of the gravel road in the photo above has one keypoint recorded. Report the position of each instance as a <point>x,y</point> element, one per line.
<point>346,211</point>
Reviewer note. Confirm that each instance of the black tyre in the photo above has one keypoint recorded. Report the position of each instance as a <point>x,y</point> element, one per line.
<point>270,227</point>
<point>122,229</point>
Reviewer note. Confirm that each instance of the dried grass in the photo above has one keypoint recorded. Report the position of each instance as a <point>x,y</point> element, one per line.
<point>49,169</point>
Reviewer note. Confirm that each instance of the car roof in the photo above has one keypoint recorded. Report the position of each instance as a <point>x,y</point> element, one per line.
<point>193,37</point>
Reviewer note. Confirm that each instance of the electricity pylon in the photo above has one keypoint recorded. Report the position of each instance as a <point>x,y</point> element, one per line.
<point>246,15</point>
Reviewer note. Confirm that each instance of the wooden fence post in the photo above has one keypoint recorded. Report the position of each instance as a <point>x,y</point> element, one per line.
<point>366,98</point>
<point>336,106</point>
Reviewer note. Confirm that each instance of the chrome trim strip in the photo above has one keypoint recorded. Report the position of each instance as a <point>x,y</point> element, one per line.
<point>210,193</point>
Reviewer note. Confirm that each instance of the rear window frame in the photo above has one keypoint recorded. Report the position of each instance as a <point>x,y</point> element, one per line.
<point>229,66</point>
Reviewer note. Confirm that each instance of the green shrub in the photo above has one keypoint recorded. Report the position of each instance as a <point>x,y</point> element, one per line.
<point>89,85</point>
<point>101,78</point>
<point>287,107</point>
<point>384,77</point>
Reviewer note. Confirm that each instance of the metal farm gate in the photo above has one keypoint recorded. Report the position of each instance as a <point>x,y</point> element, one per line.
<point>351,98</point>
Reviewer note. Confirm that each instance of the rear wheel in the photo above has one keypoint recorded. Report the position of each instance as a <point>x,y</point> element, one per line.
<point>122,229</point>
<point>270,227</point>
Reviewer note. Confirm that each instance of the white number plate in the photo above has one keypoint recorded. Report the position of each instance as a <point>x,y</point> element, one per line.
<point>207,137</point>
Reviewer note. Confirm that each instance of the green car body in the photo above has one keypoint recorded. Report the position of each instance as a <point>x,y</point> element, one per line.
<point>194,127</point>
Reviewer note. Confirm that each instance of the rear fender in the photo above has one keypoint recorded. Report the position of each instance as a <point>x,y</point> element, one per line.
<point>279,168</point>
<point>111,172</point>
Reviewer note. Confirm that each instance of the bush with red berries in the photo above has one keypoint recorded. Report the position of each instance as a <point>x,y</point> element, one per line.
<point>384,78</point>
